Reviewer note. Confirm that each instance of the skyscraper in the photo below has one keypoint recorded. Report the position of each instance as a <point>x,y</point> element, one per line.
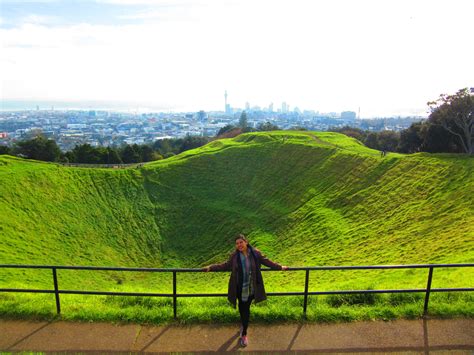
<point>228,109</point>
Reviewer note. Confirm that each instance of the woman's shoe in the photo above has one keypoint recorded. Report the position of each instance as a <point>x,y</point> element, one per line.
<point>244,341</point>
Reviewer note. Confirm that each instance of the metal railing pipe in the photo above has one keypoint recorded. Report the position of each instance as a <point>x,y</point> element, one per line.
<point>175,295</point>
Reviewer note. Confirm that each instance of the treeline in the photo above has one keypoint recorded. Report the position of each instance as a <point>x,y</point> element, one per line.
<point>41,148</point>
<point>448,129</point>
<point>419,137</point>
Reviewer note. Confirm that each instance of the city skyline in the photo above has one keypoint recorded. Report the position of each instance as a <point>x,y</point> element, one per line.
<point>388,59</point>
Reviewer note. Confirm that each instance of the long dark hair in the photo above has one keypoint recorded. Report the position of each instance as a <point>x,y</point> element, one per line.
<point>241,236</point>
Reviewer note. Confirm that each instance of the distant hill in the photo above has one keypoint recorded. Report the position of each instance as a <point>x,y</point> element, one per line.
<point>305,198</point>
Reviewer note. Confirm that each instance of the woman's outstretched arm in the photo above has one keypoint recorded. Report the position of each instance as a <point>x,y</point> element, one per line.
<point>225,266</point>
<point>267,262</point>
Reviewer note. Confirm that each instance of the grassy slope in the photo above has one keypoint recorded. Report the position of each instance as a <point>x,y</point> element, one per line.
<point>316,199</point>
<point>55,215</point>
<point>304,198</point>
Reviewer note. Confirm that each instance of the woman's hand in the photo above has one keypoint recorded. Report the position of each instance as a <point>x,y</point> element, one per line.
<point>206,269</point>
<point>284,268</point>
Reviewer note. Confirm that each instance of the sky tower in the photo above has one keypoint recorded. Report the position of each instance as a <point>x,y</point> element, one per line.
<point>228,109</point>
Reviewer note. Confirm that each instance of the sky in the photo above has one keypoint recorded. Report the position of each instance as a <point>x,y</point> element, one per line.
<point>385,57</point>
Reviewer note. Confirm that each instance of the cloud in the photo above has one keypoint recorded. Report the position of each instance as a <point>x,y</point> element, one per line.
<point>166,3</point>
<point>34,19</point>
<point>311,56</point>
<point>16,2</point>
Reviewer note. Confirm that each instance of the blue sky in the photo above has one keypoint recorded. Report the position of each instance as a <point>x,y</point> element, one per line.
<point>386,57</point>
<point>71,12</point>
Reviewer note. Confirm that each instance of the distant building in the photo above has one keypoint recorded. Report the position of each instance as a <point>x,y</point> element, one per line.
<point>225,98</point>
<point>228,109</point>
<point>201,116</point>
<point>348,115</point>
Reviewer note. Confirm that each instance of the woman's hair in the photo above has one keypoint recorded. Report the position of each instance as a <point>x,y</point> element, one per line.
<point>241,236</point>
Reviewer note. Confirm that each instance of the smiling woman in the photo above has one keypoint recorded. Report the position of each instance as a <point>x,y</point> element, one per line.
<point>246,281</point>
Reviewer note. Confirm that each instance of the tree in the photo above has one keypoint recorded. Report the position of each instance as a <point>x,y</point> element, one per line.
<point>5,150</point>
<point>437,140</point>
<point>163,146</point>
<point>191,142</point>
<point>411,139</point>
<point>225,129</point>
<point>267,126</point>
<point>455,113</point>
<point>85,154</point>
<point>243,122</point>
<point>39,148</point>
<point>113,156</point>
<point>353,132</point>
<point>372,141</point>
<point>388,140</point>
<point>131,154</point>
<point>146,153</point>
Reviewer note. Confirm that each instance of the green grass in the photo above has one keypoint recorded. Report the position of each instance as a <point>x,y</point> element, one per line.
<point>304,198</point>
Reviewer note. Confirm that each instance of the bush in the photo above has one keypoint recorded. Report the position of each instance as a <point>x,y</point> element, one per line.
<point>350,299</point>
<point>396,299</point>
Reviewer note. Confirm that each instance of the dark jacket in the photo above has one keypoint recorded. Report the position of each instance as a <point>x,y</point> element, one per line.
<point>235,266</point>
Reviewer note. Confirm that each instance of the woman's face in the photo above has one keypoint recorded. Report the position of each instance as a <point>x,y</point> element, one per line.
<point>241,245</point>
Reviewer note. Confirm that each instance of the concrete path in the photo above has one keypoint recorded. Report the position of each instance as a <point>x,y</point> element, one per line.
<point>401,336</point>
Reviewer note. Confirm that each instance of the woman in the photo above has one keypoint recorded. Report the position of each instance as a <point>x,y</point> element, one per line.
<point>246,282</point>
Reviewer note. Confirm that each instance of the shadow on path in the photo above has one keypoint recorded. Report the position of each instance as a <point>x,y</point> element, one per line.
<point>28,335</point>
<point>292,342</point>
<point>155,339</point>
<point>228,343</point>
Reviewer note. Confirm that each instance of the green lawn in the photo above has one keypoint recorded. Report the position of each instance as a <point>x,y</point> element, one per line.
<point>304,198</point>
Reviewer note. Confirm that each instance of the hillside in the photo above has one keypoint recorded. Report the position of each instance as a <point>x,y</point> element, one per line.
<point>305,198</point>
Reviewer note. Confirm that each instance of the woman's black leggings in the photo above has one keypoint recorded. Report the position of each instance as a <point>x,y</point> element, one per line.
<point>244,309</point>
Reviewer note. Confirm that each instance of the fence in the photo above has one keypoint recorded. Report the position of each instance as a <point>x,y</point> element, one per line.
<point>175,295</point>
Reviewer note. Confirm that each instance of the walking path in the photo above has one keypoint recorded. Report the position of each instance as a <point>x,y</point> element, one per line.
<point>401,336</point>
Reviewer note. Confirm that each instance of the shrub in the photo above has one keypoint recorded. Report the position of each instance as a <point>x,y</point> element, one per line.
<point>350,299</point>
<point>396,299</point>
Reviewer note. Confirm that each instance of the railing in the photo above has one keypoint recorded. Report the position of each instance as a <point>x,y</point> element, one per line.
<point>57,291</point>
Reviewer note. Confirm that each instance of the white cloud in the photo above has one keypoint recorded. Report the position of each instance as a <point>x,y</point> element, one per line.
<point>16,2</point>
<point>35,19</point>
<point>309,54</point>
<point>170,3</point>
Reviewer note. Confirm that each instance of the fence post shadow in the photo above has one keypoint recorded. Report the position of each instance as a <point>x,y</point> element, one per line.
<point>292,342</point>
<point>426,345</point>
<point>155,338</point>
<point>10,348</point>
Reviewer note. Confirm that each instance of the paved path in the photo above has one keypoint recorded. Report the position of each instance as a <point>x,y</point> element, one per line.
<point>401,336</point>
